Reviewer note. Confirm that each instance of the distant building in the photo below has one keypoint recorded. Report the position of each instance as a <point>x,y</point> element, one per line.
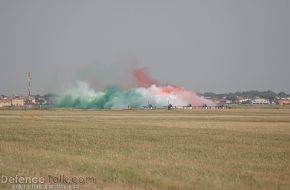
<point>5,102</point>
<point>50,99</point>
<point>30,100</point>
<point>17,101</point>
<point>224,101</point>
<point>244,100</point>
<point>41,101</point>
<point>229,101</point>
<point>3,97</point>
<point>216,100</point>
<point>260,101</point>
<point>284,101</point>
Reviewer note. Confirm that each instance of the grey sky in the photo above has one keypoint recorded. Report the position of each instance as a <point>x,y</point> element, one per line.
<point>204,45</point>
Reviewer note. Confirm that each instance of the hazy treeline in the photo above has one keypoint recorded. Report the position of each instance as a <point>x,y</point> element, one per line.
<point>249,94</point>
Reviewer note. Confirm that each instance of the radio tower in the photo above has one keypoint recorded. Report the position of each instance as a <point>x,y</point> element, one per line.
<point>29,84</point>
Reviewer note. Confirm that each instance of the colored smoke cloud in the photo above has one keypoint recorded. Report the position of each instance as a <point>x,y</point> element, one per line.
<point>113,97</point>
<point>143,78</point>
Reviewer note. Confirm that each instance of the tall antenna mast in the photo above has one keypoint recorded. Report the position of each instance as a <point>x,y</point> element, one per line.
<point>29,79</point>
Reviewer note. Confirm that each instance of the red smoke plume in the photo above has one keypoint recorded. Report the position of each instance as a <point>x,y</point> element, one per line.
<point>143,78</point>
<point>178,95</point>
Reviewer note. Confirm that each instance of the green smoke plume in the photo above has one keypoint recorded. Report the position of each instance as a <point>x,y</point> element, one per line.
<point>112,97</point>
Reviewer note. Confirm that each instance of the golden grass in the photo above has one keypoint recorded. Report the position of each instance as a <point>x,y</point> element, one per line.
<point>150,149</point>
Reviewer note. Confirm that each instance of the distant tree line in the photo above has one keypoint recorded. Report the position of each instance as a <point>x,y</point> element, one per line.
<point>270,95</point>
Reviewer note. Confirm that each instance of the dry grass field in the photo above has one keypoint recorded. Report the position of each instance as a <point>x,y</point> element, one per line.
<point>150,149</point>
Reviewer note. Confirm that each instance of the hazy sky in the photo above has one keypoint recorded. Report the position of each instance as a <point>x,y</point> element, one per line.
<point>204,45</point>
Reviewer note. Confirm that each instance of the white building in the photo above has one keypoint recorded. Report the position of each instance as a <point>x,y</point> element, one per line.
<point>260,101</point>
<point>5,102</point>
<point>17,101</point>
<point>244,100</point>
